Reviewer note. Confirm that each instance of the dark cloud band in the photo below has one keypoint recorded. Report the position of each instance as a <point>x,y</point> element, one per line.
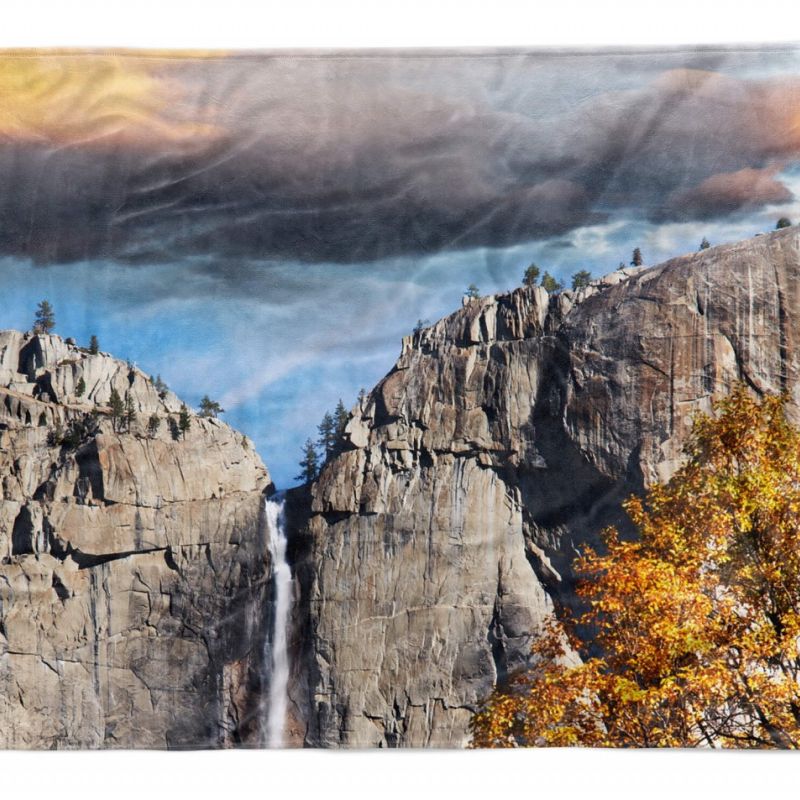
<point>352,160</point>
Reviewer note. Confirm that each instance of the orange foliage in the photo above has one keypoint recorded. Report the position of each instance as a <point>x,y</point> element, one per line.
<point>697,622</point>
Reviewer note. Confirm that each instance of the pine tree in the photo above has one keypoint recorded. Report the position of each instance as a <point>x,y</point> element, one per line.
<point>550,284</point>
<point>159,386</point>
<point>340,418</point>
<point>153,424</point>
<point>327,435</point>
<point>80,388</point>
<point>117,409</point>
<point>705,244</point>
<point>94,345</point>
<point>783,222</point>
<point>309,464</point>
<point>209,407</point>
<point>45,318</point>
<point>130,412</point>
<point>581,279</point>
<point>473,293</point>
<point>637,259</point>
<point>184,420</point>
<point>531,275</point>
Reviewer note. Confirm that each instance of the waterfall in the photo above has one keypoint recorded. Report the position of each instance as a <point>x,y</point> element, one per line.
<point>278,654</point>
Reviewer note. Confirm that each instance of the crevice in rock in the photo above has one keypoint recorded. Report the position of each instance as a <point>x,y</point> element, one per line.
<point>495,637</point>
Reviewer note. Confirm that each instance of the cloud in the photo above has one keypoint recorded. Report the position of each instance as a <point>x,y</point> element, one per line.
<point>355,159</point>
<point>94,101</point>
<point>726,192</point>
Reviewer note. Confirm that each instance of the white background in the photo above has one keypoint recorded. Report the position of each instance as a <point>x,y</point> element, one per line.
<point>554,774</point>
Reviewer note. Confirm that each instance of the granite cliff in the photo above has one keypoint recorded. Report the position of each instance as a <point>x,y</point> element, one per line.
<point>135,591</point>
<point>134,575</point>
<point>431,549</point>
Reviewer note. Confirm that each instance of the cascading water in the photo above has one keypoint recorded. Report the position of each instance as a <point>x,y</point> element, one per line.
<point>278,653</point>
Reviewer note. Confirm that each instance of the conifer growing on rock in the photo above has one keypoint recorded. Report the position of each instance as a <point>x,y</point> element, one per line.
<point>531,275</point>
<point>327,435</point>
<point>117,409</point>
<point>184,420</point>
<point>550,284</point>
<point>581,279</point>
<point>130,411</point>
<point>210,408</point>
<point>45,318</point>
<point>340,418</point>
<point>153,424</point>
<point>473,293</point>
<point>160,386</point>
<point>309,464</point>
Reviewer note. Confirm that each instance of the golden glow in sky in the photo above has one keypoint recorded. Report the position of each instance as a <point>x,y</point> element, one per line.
<point>95,99</point>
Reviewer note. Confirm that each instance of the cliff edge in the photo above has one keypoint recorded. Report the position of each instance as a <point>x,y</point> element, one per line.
<point>134,574</point>
<point>430,551</point>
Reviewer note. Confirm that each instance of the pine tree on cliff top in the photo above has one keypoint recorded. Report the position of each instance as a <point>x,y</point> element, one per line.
<point>45,318</point>
<point>340,418</point>
<point>327,435</point>
<point>309,464</point>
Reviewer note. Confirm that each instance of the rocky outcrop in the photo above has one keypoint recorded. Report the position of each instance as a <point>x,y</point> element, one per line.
<point>134,574</point>
<point>430,551</point>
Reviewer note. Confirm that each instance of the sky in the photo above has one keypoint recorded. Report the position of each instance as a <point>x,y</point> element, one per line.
<point>265,228</point>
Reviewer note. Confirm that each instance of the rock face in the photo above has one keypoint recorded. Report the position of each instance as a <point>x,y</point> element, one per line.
<point>133,569</point>
<point>432,548</point>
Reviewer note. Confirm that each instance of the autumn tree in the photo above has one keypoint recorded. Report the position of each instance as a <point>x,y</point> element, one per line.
<point>45,318</point>
<point>696,623</point>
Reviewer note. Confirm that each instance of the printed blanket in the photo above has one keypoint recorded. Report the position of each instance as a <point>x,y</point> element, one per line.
<point>400,398</point>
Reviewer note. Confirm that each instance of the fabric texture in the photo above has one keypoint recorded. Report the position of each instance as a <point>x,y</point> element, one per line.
<point>400,398</point>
